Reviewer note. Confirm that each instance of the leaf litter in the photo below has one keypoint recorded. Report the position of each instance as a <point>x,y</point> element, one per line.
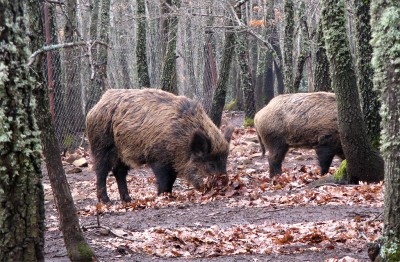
<point>247,186</point>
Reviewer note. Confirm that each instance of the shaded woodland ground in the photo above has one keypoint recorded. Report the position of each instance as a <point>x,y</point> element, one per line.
<point>252,218</point>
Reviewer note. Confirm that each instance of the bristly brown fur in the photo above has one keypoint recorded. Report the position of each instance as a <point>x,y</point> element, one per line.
<point>152,126</point>
<point>306,120</point>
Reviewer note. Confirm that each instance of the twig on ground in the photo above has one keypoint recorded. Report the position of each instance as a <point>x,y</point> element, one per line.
<point>110,230</point>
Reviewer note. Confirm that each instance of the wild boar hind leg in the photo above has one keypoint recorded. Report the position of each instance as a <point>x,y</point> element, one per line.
<point>165,175</point>
<point>120,172</point>
<point>102,167</point>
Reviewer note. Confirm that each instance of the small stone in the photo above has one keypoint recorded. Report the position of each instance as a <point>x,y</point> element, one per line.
<point>104,231</point>
<point>81,162</point>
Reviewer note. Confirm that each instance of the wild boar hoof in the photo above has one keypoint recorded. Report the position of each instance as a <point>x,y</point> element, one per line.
<point>104,199</point>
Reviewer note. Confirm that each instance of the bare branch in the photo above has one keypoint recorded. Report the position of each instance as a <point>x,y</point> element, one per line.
<point>64,45</point>
<point>240,3</point>
<point>245,28</point>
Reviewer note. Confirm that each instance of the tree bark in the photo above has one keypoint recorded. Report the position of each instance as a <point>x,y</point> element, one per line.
<point>321,72</point>
<point>246,78</point>
<point>168,78</point>
<point>141,55</point>
<point>218,102</point>
<point>265,71</point>
<point>288,46</point>
<point>385,41</point>
<point>369,97</point>
<point>363,161</point>
<point>21,191</point>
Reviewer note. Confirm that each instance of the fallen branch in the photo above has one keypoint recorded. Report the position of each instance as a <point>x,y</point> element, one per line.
<point>111,231</point>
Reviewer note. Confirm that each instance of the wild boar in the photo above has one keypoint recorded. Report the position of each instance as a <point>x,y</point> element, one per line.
<point>172,134</point>
<point>302,120</point>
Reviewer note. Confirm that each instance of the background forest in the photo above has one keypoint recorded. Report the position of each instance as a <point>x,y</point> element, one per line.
<point>183,46</point>
<point>229,55</point>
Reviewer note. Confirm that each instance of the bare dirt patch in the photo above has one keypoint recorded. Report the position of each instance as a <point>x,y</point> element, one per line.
<point>254,218</point>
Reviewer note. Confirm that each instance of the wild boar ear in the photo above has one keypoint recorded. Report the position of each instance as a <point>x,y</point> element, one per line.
<point>200,145</point>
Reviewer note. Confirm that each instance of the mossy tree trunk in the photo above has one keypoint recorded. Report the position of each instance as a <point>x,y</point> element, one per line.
<point>288,46</point>
<point>385,41</point>
<point>218,102</point>
<point>246,79</point>
<point>141,55</point>
<point>321,72</point>
<point>168,78</point>
<point>363,161</point>
<point>21,191</point>
<point>77,248</point>
<point>369,97</point>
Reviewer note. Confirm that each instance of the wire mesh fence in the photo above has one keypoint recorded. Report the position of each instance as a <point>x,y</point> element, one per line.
<point>71,71</point>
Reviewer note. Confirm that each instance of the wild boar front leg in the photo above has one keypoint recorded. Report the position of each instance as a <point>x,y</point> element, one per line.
<point>165,175</point>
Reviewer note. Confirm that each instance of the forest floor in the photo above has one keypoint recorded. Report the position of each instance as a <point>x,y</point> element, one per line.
<point>251,218</point>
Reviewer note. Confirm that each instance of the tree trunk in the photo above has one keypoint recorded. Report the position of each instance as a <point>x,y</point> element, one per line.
<point>237,92</point>
<point>210,72</point>
<point>363,161</point>
<point>21,191</point>
<point>193,90</point>
<point>141,56</point>
<point>369,97</point>
<point>246,79</point>
<point>288,46</point>
<point>385,30</point>
<point>93,92</point>
<point>164,25</point>
<point>279,79</point>
<point>98,83</point>
<point>218,102</point>
<point>304,52</point>
<point>299,72</point>
<point>72,83</point>
<point>75,243</point>
<point>321,72</point>
<point>265,67</point>
<point>168,78</point>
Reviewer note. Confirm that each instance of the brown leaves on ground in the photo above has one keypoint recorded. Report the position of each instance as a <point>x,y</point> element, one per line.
<point>247,185</point>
